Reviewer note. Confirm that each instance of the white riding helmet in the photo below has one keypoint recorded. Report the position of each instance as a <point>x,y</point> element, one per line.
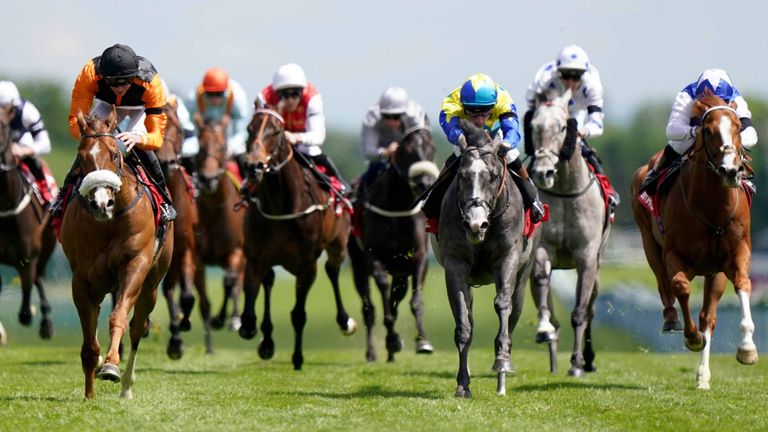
<point>9,94</point>
<point>289,75</point>
<point>572,57</point>
<point>394,100</point>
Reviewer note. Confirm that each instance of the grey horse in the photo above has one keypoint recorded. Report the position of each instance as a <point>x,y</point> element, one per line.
<point>481,242</point>
<point>576,232</point>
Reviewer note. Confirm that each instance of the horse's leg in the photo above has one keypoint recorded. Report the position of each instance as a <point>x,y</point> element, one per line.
<point>267,345</point>
<point>746,352</point>
<point>251,286</point>
<point>230,277</point>
<point>586,267</point>
<point>653,254</point>
<point>589,352</point>
<point>336,252</point>
<point>460,299</point>
<point>3,334</point>
<point>399,290</point>
<point>393,342</point>
<point>113,294</point>
<point>185,275</point>
<point>423,346</point>
<point>502,303</point>
<point>304,282</point>
<point>360,272</point>
<point>48,245</point>
<point>236,265</point>
<point>27,277</point>
<point>88,311</point>
<point>542,269</point>
<point>192,275</point>
<point>139,323</point>
<point>694,340</point>
<point>175,349</point>
<point>714,286</point>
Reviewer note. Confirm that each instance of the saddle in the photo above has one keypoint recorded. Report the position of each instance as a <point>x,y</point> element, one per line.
<point>329,183</point>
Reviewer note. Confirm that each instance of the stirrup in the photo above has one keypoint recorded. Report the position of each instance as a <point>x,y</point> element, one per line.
<point>537,212</point>
<point>167,212</point>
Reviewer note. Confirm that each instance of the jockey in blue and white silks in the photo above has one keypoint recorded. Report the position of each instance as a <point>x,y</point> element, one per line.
<point>682,126</point>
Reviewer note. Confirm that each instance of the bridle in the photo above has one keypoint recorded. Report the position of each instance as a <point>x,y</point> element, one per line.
<point>276,150</point>
<point>725,149</point>
<point>477,201</point>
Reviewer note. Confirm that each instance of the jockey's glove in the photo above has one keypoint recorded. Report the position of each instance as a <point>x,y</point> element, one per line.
<point>504,148</point>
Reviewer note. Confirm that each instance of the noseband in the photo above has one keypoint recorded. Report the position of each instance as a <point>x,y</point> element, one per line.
<point>273,155</point>
<point>477,201</point>
<point>726,149</point>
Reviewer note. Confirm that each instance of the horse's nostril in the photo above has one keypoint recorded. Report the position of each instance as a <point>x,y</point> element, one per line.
<point>110,203</point>
<point>484,226</point>
<point>549,173</point>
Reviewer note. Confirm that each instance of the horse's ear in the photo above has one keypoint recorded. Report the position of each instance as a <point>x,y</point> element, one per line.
<point>112,119</point>
<point>81,122</point>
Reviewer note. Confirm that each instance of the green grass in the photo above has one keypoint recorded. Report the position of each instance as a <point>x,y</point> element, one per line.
<point>41,383</point>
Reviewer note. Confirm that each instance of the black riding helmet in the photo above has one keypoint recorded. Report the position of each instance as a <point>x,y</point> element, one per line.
<point>119,61</point>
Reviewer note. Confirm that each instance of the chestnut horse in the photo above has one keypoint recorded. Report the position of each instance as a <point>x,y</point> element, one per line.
<point>703,231</point>
<point>183,266</point>
<point>394,241</point>
<point>290,221</point>
<point>27,238</point>
<point>109,237</point>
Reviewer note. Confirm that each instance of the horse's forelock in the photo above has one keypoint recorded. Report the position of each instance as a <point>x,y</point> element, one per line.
<point>476,136</point>
<point>705,101</point>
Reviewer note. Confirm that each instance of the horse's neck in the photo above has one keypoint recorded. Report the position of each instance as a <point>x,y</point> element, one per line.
<point>285,191</point>
<point>706,193</point>
<point>573,174</point>
<point>391,190</point>
<point>11,187</point>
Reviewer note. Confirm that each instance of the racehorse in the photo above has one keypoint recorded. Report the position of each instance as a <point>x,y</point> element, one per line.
<point>703,230</point>
<point>109,237</point>
<point>220,228</point>
<point>394,241</point>
<point>577,230</point>
<point>291,219</point>
<point>27,238</point>
<point>481,241</point>
<point>183,267</point>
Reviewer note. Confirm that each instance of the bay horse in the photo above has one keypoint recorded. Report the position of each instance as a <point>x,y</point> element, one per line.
<point>481,241</point>
<point>220,227</point>
<point>109,237</point>
<point>703,230</point>
<point>291,219</point>
<point>183,266</point>
<point>27,238</point>
<point>577,231</point>
<point>393,240</point>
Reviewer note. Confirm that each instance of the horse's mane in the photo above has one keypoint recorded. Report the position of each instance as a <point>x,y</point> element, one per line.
<point>476,136</point>
<point>705,101</point>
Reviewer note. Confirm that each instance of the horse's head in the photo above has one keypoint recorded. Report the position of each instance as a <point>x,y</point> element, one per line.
<point>211,160</point>
<point>413,159</point>
<point>173,138</point>
<point>7,161</point>
<point>548,127</point>
<point>481,178</point>
<point>268,151</point>
<point>718,142</point>
<point>101,164</point>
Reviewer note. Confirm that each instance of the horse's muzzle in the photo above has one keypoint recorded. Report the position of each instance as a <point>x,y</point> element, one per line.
<point>101,203</point>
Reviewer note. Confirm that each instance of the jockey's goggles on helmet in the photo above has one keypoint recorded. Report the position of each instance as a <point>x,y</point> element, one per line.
<point>118,82</point>
<point>571,74</point>
<point>391,116</point>
<point>215,94</point>
<point>289,93</point>
<point>478,109</point>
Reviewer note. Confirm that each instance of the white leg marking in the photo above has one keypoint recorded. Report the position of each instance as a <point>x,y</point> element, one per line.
<point>3,335</point>
<point>747,351</point>
<point>129,377</point>
<point>703,374</point>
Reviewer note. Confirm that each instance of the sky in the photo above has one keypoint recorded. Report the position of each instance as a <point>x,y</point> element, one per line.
<point>646,51</point>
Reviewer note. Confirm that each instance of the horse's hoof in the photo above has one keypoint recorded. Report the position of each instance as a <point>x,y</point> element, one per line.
<point>46,329</point>
<point>672,327</point>
<point>370,356</point>
<point>247,330</point>
<point>590,368</point>
<point>462,392</point>
<point>185,325</point>
<point>109,372</point>
<point>746,356</point>
<point>394,343</point>
<point>217,323</point>
<point>503,366</point>
<point>576,372</point>
<point>351,327</point>
<point>126,394</point>
<point>235,323</point>
<point>298,360</point>
<point>25,316</point>
<point>546,337</point>
<point>694,346</point>
<point>424,347</point>
<point>175,349</point>
<point>266,349</point>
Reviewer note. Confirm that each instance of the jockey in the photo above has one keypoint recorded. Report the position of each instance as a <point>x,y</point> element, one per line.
<point>219,98</point>
<point>122,81</point>
<point>172,99</point>
<point>301,106</point>
<point>28,135</point>
<point>681,128</point>
<point>384,126</point>
<point>488,105</point>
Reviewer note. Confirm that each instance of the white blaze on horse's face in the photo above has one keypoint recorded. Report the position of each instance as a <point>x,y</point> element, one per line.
<point>548,129</point>
<point>729,167</point>
<point>476,216</point>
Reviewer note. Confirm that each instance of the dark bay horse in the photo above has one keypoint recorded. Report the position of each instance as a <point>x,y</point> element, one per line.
<point>183,266</point>
<point>109,237</point>
<point>27,238</point>
<point>705,217</point>
<point>290,221</point>
<point>220,228</point>
<point>481,242</point>
<point>394,240</point>
<point>577,230</point>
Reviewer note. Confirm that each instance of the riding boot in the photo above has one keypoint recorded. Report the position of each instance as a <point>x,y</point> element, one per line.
<point>149,160</point>
<point>433,197</point>
<point>332,171</point>
<point>592,158</point>
<point>666,159</point>
<point>36,168</point>
<point>527,189</point>
<point>528,134</point>
<point>57,206</point>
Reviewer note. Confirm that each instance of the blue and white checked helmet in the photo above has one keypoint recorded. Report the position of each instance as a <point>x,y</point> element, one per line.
<point>719,82</point>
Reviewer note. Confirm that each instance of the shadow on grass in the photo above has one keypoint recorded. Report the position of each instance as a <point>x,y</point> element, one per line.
<point>32,398</point>
<point>43,363</point>
<point>573,385</point>
<point>367,392</point>
<point>179,371</point>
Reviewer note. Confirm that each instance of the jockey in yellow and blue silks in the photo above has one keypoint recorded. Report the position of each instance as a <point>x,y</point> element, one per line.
<point>486,104</point>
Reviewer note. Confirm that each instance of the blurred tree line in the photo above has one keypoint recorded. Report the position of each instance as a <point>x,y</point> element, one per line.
<point>622,149</point>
